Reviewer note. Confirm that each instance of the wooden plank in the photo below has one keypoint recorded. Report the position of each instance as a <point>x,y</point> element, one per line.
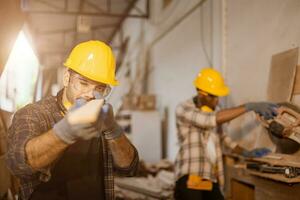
<point>282,160</point>
<point>265,189</point>
<point>296,89</point>
<point>282,75</point>
<point>276,177</point>
<point>241,190</point>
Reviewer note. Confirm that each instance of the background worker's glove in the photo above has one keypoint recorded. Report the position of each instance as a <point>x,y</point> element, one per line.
<point>79,123</point>
<point>265,109</point>
<point>256,153</point>
<point>109,126</point>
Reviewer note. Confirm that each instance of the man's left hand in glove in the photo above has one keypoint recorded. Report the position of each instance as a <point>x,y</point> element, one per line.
<point>108,124</point>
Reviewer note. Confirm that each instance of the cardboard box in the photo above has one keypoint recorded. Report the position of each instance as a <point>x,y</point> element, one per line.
<point>146,102</point>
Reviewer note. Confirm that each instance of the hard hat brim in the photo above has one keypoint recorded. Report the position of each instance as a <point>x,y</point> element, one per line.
<point>112,83</point>
<point>220,92</point>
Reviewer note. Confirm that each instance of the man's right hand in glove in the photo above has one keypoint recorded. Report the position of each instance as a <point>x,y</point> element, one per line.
<point>79,123</point>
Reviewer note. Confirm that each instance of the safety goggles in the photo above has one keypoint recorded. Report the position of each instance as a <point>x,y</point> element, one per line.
<point>83,85</point>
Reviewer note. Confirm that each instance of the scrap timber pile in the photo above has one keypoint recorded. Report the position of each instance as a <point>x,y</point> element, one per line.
<point>154,181</point>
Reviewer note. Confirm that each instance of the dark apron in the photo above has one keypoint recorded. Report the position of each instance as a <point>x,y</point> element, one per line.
<point>78,174</point>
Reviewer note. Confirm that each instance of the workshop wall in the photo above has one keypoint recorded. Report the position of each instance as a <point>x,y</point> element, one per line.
<point>175,51</point>
<point>255,31</point>
<point>237,37</point>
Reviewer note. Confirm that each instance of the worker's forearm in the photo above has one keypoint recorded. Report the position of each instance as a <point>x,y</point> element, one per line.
<point>41,151</point>
<point>227,115</point>
<point>122,151</point>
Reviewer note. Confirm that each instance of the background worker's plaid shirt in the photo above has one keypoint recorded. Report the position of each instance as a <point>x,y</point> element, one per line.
<point>36,119</point>
<point>194,128</point>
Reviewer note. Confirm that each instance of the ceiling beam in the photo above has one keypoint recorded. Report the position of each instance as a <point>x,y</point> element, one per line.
<point>129,7</point>
<point>95,6</point>
<point>57,31</point>
<point>135,7</point>
<point>51,5</point>
<point>93,14</point>
<point>70,30</point>
<point>55,52</point>
<point>104,26</point>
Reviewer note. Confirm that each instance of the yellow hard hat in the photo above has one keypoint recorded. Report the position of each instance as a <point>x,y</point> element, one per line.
<point>212,82</point>
<point>93,60</point>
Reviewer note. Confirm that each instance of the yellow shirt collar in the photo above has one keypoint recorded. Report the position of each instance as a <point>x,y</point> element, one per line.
<point>206,109</point>
<point>67,104</point>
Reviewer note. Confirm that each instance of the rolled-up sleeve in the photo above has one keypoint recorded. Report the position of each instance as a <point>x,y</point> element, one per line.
<point>189,114</point>
<point>131,169</point>
<point>24,127</point>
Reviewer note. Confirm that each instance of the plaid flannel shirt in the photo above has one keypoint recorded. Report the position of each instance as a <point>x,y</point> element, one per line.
<point>36,119</point>
<point>194,128</point>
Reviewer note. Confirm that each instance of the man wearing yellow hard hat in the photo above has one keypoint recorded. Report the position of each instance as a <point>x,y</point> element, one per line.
<point>199,166</point>
<point>69,146</point>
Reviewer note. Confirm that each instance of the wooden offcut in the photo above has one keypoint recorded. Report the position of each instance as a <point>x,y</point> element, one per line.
<point>281,160</point>
<point>146,102</point>
<point>265,188</point>
<point>282,75</point>
<point>297,82</point>
<point>241,190</point>
<point>276,177</point>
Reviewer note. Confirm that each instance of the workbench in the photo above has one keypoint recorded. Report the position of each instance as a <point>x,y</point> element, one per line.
<point>243,184</point>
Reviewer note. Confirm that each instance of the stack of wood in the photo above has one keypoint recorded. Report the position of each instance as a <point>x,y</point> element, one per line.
<point>154,181</point>
<point>139,102</point>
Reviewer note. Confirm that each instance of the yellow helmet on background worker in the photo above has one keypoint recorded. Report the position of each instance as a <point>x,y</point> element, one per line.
<point>212,82</point>
<point>94,60</point>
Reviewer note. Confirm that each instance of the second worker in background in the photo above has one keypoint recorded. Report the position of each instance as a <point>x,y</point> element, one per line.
<point>199,165</point>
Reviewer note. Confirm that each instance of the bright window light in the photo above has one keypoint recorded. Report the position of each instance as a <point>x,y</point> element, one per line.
<point>17,82</point>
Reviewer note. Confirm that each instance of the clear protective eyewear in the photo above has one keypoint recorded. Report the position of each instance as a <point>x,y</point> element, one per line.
<point>84,86</point>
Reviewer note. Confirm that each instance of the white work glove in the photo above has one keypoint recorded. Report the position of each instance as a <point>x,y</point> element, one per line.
<point>80,122</point>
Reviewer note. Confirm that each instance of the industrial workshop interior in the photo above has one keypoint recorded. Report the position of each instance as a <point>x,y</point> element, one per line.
<point>149,99</point>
